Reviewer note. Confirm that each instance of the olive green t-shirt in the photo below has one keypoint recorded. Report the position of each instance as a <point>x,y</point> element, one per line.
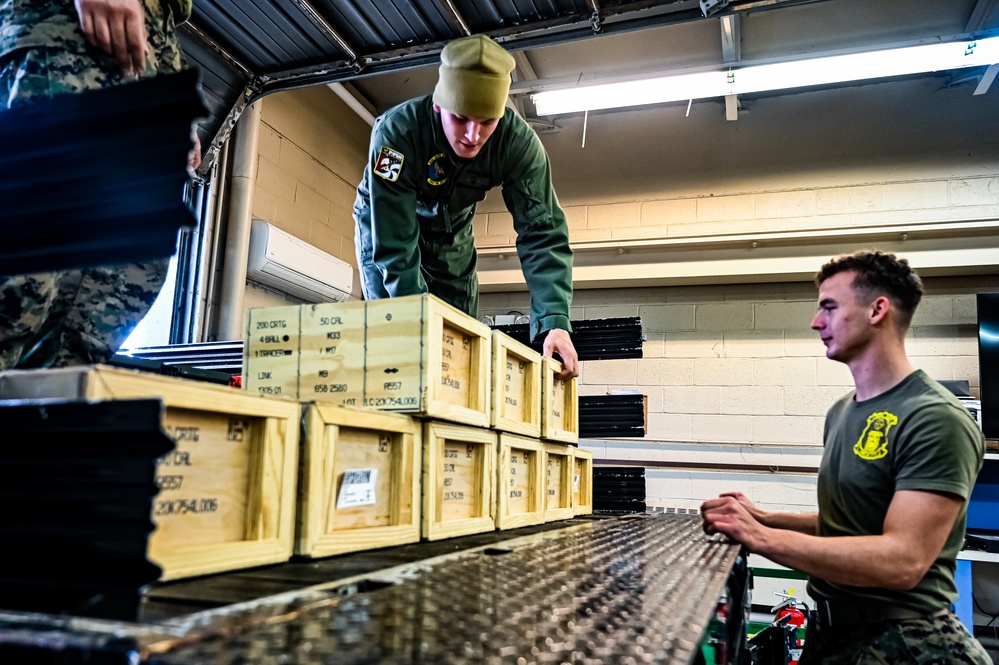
<point>916,436</point>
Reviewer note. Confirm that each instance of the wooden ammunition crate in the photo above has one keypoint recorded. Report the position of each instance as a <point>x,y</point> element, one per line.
<point>559,405</point>
<point>270,351</point>
<point>331,361</point>
<point>360,480</point>
<point>516,387</point>
<point>424,356</point>
<point>582,482</point>
<point>227,492</point>
<point>559,469</point>
<point>415,354</point>
<point>521,482</point>
<point>459,490</point>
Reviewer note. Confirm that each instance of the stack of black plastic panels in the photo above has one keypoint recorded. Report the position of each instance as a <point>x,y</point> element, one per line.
<point>96,178</point>
<point>611,416</point>
<point>215,362</point>
<point>619,489</point>
<point>594,339</point>
<point>77,482</point>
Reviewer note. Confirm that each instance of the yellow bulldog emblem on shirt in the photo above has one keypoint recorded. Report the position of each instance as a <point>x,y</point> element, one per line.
<point>873,441</point>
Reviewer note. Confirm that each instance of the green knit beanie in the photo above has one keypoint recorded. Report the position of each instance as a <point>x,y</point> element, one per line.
<point>474,78</point>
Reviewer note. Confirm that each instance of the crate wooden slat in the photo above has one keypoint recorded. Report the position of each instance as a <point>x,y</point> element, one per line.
<point>459,489</point>
<point>227,493</point>
<point>516,387</point>
<point>270,352</point>
<point>338,440</point>
<point>424,356</point>
<point>520,482</point>
<point>331,356</point>
<point>559,405</point>
<point>559,469</point>
<point>582,481</point>
<point>414,354</point>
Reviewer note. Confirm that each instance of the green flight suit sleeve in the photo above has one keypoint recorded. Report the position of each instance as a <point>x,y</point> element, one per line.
<point>542,232</point>
<point>395,231</point>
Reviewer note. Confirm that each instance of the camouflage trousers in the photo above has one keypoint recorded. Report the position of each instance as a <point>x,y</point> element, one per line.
<point>80,316</point>
<point>934,641</point>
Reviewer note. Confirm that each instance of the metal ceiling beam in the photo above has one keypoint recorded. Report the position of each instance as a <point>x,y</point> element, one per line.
<point>523,72</point>
<point>621,18</point>
<point>190,29</point>
<point>356,101</point>
<point>984,16</point>
<point>987,78</point>
<point>320,22</point>
<point>731,41</point>
<point>731,46</point>
<point>462,24</point>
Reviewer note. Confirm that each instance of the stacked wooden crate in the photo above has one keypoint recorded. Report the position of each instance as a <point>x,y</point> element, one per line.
<point>481,437</point>
<point>360,480</point>
<point>479,398</point>
<point>227,492</point>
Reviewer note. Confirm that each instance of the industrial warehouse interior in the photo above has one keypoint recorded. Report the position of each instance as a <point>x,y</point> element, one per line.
<point>697,222</point>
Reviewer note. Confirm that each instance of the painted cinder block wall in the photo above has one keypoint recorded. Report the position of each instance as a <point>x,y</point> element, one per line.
<point>311,153</point>
<point>735,376</point>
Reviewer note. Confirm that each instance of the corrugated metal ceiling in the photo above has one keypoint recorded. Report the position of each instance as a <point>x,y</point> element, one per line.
<point>247,48</point>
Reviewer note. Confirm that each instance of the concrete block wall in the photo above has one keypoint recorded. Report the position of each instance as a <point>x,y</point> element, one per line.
<point>733,374</point>
<point>736,378</point>
<point>860,204</point>
<point>311,155</point>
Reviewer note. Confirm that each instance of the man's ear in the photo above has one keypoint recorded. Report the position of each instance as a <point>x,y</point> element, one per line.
<point>879,309</point>
<point>437,109</point>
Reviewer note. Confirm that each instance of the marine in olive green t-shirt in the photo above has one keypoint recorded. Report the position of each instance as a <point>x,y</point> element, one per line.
<point>916,436</point>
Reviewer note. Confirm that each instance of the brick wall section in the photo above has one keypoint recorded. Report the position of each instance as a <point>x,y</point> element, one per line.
<point>860,205</point>
<point>310,159</point>
<point>734,375</point>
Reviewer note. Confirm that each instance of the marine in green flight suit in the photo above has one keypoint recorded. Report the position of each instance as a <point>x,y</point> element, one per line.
<point>431,160</point>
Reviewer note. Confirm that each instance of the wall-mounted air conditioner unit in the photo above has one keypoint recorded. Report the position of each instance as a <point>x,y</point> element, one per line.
<point>283,262</point>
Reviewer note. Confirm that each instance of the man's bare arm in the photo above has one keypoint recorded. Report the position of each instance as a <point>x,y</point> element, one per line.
<point>807,523</point>
<point>915,530</point>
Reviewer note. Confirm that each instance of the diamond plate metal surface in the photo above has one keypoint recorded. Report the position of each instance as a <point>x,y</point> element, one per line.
<point>631,590</point>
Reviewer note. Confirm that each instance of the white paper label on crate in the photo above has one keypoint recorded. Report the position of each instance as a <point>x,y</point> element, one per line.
<point>575,482</point>
<point>358,488</point>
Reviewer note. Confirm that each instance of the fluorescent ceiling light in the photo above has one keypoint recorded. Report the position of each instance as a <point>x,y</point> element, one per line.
<point>778,76</point>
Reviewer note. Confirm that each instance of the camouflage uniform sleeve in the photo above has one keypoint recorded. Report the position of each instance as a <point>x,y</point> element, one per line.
<point>181,10</point>
<point>542,231</point>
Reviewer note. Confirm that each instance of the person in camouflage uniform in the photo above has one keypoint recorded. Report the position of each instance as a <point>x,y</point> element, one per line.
<point>900,459</point>
<point>940,640</point>
<point>55,47</point>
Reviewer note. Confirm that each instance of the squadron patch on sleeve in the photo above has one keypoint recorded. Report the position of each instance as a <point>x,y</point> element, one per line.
<point>389,164</point>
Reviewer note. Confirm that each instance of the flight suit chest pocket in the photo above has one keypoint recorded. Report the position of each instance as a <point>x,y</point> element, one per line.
<point>471,188</point>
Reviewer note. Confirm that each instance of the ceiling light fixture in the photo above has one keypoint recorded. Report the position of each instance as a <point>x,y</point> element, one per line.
<point>777,76</point>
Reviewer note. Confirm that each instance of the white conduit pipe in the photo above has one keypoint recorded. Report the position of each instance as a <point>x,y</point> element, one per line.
<point>237,243</point>
<point>352,101</point>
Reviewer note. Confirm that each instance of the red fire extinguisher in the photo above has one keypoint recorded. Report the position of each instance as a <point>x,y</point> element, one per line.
<point>788,612</point>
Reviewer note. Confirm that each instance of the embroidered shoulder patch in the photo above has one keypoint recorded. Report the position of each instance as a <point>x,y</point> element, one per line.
<point>873,441</point>
<point>389,164</point>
